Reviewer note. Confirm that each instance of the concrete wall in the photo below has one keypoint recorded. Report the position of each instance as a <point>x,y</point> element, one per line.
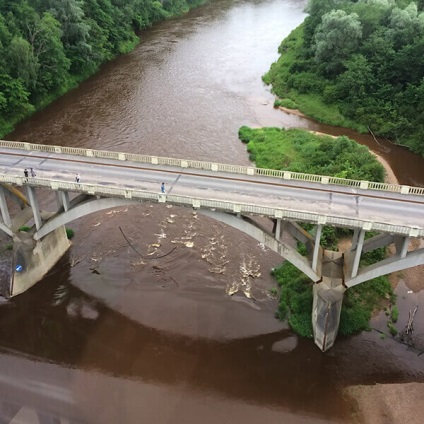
<point>37,258</point>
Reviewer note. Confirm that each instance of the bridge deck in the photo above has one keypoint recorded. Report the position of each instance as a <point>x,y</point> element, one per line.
<point>354,207</point>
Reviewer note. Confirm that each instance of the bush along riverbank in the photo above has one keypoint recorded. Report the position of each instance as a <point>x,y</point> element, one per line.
<point>358,65</point>
<point>300,151</point>
<point>49,47</point>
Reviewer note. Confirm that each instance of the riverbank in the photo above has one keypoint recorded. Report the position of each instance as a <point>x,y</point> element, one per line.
<point>388,403</point>
<point>69,58</point>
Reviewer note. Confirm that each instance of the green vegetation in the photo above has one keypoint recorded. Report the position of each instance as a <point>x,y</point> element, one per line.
<point>287,103</point>
<point>392,329</point>
<point>48,46</point>
<point>70,233</point>
<point>300,151</point>
<point>273,292</point>
<point>394,313</point>
<point>358,64</point>
<point>25,228</point>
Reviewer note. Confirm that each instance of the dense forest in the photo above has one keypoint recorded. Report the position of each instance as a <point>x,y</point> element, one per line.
<point>49,46</point>
<point>358,64</point>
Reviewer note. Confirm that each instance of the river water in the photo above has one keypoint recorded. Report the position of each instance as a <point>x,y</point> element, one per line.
<point>184,330</point>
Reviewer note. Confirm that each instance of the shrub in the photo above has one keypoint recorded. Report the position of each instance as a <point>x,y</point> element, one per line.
<point>393,330</point>
<point>245,134</point>
<point>395,313</point>
<point>70,233</point>
<point>287,103</point>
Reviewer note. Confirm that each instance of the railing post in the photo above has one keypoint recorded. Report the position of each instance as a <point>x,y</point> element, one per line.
<point>404,189</point>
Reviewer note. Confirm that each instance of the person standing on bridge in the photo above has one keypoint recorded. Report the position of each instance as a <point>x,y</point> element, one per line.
<point>77,178</point>
<point>33,174</point>
<point>26,174</point>
<point>162,188</point>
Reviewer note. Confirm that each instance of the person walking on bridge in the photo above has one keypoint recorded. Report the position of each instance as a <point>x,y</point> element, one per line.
<point>33,174</point>
<point>162,188</point>
<point>77,178</point>
<point>26,174</point>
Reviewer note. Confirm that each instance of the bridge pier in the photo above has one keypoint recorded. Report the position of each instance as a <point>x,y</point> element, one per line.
<point>32,260</point>
<point>328,299</point>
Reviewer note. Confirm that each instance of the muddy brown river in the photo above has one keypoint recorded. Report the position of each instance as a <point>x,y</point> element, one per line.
<point>183,331</point>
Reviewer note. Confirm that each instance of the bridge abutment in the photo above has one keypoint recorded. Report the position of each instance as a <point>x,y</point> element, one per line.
<point>32,260</point>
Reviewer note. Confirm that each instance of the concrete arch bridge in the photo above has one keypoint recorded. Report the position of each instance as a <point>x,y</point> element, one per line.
<point>231,194</point>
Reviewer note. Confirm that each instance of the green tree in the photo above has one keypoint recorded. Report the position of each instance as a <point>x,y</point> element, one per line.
<point>53,63</point>
<point>354,85</point>
<point>405,26</point>
<point>75,33</point>
<point>336,38</point>
<point>23,64</point>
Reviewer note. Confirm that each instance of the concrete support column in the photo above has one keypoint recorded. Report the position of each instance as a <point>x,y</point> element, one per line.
<point>316,247</point>
<point>358,252</point>
<point>402,244</point>
<point>355,238</point>
<point>63,200</point>
<point>278,229</point>
<point>33,201</point>
<point>326,309</point>
<point>3,208</point>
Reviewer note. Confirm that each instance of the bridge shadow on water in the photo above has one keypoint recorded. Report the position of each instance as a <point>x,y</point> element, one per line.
<point>57,322</point>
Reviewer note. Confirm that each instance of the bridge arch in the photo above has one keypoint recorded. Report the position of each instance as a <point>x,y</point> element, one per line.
<point>78,211</point>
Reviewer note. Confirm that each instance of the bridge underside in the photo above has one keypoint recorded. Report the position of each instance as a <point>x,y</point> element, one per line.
<point>332,272</point>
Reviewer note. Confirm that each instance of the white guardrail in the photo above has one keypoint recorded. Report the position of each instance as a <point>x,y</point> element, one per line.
<point>214,204</point>
<point>238,169</point>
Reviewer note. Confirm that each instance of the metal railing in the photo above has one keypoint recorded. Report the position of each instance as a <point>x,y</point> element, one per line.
<point>216,167</point>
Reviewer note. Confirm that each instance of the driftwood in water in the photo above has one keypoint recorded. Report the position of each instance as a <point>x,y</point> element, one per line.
<point>409,329</point>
